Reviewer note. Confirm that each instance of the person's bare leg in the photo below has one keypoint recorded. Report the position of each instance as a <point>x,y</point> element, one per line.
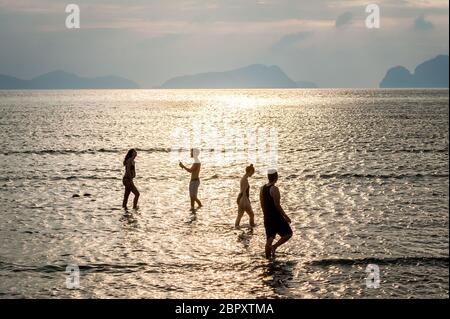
<point>192,203</point>
<point>280,242</point>
<point>238,218</point>
<point>199,203</point>
<point>269,247</point>
<point>136,196</point>
<point>125,197</point>
<point>252,217</point>
<point>136,199</point>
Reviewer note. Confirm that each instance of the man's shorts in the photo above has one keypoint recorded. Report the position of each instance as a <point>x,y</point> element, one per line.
<point>280,227</point>
<point>193,187</point>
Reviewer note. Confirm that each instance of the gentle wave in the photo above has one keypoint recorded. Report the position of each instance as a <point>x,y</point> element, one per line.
<point>119,151</point>
<point>62,178</point>
<point>211,150</point>
<point>226,177</point>
<point>381,261</point>
<point>366,176</point>
<point>94,268</point>
<point>377,151</point>
<point>129,268</point>
<point>103,267</point>
<point>88,151</point>
<point>86,177</point>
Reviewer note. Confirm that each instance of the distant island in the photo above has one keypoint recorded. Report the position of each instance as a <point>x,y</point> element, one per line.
<point>60,80</point>
<point>306,85</point>
<point>252,76</point>
<point>429,74</point>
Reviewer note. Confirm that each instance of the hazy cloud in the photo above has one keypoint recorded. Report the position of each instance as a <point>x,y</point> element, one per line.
<point>421,24</point>
<point>344,19</point>
<point>151,41</point>
<point>290,40</point>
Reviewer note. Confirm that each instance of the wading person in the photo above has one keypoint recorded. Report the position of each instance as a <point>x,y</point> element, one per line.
<point>195,179</point>
<point>243,200</point>
<point>275,219</point>
<point>130,174</point>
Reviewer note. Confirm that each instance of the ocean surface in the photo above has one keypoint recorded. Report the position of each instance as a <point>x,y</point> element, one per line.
<point>363,176</point>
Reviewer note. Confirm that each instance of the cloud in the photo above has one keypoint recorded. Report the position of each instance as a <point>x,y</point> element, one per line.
<point>159,42</point>
<point>421,24</point>
<point>344,19</point>
<point>151,41</point>
<point>290,40</point>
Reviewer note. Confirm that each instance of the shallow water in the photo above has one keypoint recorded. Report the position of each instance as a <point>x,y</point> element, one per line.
<point>363,175</point>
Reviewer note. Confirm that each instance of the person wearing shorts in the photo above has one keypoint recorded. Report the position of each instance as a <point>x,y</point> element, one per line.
<point>194,184</point>
<point>193,187</point>
<point>276,222</point>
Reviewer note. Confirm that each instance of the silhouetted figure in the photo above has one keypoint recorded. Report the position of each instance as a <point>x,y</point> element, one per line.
<point>130,174</point>
<point>195,180</point>
<point>243,200</point>
<point>275,219</point>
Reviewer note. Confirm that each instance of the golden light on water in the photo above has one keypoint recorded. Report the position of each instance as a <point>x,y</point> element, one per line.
<point>343,185</point>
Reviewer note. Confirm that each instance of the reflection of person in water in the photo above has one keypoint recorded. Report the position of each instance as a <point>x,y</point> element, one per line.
<point>275,219</point>
<point>279,276</point>
<point>243,199</point>
<point>195,179</point>
<point>130,174</point>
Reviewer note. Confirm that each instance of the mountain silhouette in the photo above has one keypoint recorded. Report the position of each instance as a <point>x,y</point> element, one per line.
<point>429,74</point>
<point>253,76</point>
<point>11,83</point>
<point>63,80</point>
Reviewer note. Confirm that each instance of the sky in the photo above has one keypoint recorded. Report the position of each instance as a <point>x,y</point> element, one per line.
<point>149,42</point>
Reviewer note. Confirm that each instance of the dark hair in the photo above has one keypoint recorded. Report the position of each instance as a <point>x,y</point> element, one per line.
<point>272,177</point>
<point>249,169</point>
<point>128,156</point>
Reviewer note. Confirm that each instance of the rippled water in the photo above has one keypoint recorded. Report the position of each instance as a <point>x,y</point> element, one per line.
<point>363,175</point>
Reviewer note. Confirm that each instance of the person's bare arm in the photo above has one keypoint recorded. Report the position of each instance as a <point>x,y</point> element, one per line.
<point>275,193</point>
<point>128,172</point>
<point>186,168</point>
<point>261,202</point>
<point>132,171</point>
<point>244,185</point>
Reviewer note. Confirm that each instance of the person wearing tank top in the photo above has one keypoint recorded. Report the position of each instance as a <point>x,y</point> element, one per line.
<point>276,222</point>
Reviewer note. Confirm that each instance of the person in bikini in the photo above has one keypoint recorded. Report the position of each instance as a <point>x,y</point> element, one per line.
<point>243,200</point>
<point>130,174</point>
